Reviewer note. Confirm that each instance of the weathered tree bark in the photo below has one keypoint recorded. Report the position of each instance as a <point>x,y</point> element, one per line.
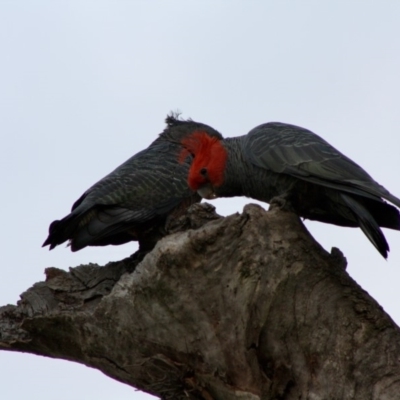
<point>245,307</point>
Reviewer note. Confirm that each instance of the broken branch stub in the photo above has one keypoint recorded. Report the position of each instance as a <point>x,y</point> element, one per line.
<point>244,307</point>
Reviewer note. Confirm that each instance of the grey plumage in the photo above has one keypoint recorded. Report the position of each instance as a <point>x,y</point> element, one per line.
<point>322,184</point>
<point>133,201</point>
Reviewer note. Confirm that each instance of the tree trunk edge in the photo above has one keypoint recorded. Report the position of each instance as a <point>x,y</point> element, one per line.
<point>265,313</point>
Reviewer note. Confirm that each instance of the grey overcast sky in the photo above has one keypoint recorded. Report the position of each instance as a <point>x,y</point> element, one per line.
<point>86,84</point>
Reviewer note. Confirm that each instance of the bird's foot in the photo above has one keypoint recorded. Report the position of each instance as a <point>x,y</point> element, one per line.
<point>281,202</point>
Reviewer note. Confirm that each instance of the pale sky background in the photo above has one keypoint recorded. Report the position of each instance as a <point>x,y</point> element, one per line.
<point>86,84</point>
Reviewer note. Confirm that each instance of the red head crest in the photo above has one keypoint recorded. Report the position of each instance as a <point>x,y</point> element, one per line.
<point>209,159</point>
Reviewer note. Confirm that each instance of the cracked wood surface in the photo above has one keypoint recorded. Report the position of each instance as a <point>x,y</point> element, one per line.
<point>244,307</point>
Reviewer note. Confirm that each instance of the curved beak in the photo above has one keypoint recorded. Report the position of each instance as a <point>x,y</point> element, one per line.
<point>207,192</point>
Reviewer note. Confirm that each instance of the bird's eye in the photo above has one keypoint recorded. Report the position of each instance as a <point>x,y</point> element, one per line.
<point>203,171</point>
